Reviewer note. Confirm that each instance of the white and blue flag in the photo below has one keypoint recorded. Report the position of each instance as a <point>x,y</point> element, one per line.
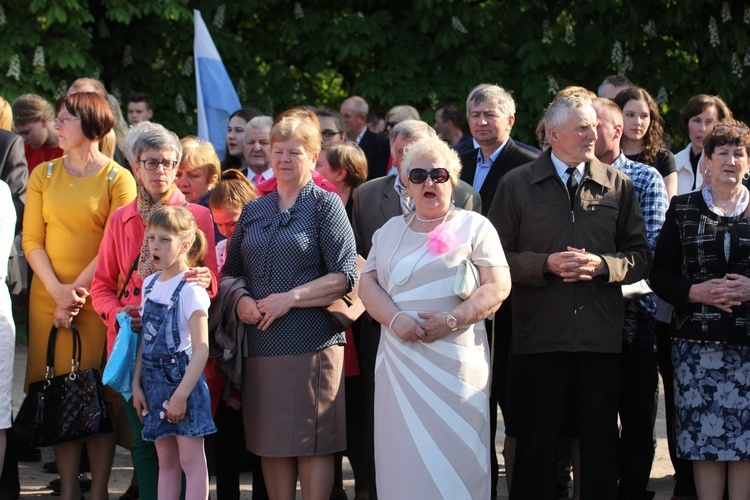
<point>217,98</point>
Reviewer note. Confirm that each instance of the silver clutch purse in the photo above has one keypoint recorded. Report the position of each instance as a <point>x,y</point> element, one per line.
<point>467,279</point>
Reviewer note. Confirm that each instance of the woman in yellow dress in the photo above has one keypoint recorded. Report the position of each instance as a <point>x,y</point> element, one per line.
<point>69,201</point>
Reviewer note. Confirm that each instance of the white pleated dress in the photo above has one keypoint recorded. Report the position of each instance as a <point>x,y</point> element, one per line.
<point>432,428</point>
<point>7,326</point>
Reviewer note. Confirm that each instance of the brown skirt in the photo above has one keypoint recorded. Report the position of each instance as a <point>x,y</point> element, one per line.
<point>293,406</point>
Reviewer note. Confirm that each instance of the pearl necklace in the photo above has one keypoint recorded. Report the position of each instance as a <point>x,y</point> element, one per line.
<point>441,218</point>
<point>400,238</point>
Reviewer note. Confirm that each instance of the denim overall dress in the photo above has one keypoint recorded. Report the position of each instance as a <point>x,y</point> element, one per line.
<point>163,370</point>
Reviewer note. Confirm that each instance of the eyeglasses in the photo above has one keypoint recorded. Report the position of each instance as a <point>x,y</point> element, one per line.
<point>390,125</point>
<point>64,120</point>
<point>329,134</point>
<point>438,175</point>
<point>740,129</point>
<point>154,164</point>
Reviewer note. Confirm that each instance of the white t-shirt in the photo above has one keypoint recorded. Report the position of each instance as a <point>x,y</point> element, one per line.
<point>192,298</point>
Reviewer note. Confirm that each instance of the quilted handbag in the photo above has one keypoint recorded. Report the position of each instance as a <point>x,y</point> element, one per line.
<point>64,407</point>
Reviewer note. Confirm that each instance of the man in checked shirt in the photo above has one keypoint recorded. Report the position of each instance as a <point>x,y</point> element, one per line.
<point>638,373</point>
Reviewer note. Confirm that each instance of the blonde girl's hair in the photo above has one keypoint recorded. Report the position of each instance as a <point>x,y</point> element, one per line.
<point>181,221</point>
<point>6,115</point>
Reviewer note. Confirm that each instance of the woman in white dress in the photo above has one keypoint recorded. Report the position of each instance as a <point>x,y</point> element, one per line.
<point>7,327</point>
<point>432,368</point>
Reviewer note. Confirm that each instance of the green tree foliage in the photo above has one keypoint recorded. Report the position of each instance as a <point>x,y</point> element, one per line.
<point>281,53</point>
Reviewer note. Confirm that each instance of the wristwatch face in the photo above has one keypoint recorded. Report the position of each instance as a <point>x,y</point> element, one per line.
<point>451,322</point>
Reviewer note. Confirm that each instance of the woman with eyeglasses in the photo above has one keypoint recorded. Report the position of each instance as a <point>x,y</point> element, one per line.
<point>433,363</point>
<point>124,260</point>
<point>296,249</point>
<point>69,202</point>
<point>702,267</point>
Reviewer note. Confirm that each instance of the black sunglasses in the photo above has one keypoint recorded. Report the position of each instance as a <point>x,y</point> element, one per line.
<point>438,175</point>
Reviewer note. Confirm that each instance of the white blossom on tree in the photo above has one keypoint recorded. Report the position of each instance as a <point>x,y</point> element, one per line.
<point>650,28</point>
<point>103,29</point>
<point>736,65</point>
<point>187,67</point>
<point>38,61</point>
<point>713,33</point>
<point>127,56</point>
<point>219,17</point>
<point>546,33</point>
<point>552,86</point>
<point>661,96</point>
<point>570,37</point>
<point>179,104</point>
<point>458,25</point>
<point>726,14</point>
<point>14,68</point>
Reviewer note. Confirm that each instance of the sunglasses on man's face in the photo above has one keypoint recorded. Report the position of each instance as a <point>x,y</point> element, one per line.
<point>438,175</point>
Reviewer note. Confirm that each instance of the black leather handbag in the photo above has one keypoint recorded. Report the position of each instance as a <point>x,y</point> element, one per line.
<point>64,407</point>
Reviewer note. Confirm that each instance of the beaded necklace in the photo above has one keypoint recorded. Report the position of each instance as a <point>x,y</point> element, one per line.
<point>400,238</point>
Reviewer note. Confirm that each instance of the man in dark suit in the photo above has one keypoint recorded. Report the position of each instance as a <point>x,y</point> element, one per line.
<point>491,117</point>
<point>376,147</point>
<point>375,202</point>
<point>491,113</point>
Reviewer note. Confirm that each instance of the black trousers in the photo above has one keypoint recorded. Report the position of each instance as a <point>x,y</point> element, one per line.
<point>639,381</point>
<point>585,385</point>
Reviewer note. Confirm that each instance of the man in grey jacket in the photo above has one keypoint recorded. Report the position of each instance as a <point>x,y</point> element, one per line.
<point>572,231</point>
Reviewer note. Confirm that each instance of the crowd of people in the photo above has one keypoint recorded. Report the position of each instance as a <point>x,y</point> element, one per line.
<point>553,283</point>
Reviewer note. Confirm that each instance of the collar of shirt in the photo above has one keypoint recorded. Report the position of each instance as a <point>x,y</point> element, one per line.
<point>483,166</point>
<point>267,174</point>
<point>399,187</point>
<point>402,191</point>
<point>361,135</point>
<point>739,208</point>
<point>492,157</point>
<point>621,162</point>
<point>561,168</point>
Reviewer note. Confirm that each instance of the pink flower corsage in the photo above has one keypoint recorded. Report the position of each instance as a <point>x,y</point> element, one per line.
<point>441,240</point>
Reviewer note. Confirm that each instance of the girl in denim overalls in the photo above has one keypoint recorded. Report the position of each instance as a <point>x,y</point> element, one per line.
<point>169,389</point>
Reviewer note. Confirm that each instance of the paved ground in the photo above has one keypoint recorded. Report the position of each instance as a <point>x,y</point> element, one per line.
<point>34,480</point>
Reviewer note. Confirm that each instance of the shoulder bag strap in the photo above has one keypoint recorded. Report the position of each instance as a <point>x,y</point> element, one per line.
<point>77,347</point>
<point>51,353</point>
<point>130,274</point>
<point>317,229</point>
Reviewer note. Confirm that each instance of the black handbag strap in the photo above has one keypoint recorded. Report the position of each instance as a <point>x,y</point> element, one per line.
<point>130,274</point>
<point>75,360</point>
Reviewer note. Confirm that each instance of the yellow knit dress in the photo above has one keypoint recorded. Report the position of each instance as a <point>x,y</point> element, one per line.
<point>66,216</point>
